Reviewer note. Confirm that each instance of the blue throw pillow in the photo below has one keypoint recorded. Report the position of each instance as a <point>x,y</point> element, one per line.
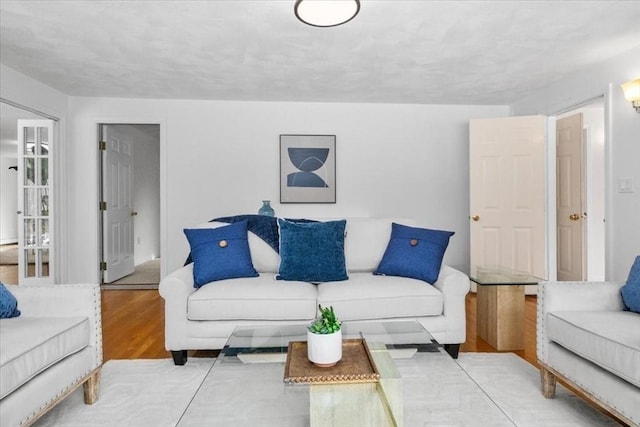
<point>220,253</point>
<point>312,252</point>
<point>8,304</point>
<point>631,290</point>
<point>414,252</point>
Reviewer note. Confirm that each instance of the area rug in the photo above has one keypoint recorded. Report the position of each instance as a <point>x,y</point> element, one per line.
<point>155,393</point>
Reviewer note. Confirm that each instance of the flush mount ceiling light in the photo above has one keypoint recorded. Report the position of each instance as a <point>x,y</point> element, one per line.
<point>326,13</point>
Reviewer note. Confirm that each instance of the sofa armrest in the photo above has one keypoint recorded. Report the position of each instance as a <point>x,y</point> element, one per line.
<point>572,296</point>
<point>454,286</point>
<point>176,288</point>
<point>178,285</point>
<point>64,301</point>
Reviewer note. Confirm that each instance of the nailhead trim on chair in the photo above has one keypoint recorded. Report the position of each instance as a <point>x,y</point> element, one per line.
<point>98,357</point>
<point>542,346</point>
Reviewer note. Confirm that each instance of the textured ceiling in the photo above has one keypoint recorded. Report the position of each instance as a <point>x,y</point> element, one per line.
<point>431,52</point>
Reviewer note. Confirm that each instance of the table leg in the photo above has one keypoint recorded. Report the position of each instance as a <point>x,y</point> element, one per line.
<point>500,315</point>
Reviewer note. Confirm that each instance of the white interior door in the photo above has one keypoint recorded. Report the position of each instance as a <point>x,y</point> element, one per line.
<point>35,201</point>
<point>117,209</point>
<point>507,194</point>
<point>571,215</point>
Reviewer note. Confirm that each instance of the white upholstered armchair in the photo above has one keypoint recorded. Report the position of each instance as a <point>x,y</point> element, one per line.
<point>587,339</point>
<point>53,347</point>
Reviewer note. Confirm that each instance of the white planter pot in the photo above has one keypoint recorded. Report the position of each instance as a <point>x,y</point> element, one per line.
<point>324,350</point>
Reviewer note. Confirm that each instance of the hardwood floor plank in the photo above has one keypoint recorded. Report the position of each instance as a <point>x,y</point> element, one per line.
<point>133,325</point>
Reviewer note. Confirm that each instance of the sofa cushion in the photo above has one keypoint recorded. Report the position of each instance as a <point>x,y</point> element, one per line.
<point>631,290</point>
<point>220,253</point>
<point>610,339</point>
<point>8,304</point>
<point>414,252</point>
<point>365,242</point>
<point>32,344</point>
<point>261,298</point>
<point>366,296</point>
<point>312,251</point>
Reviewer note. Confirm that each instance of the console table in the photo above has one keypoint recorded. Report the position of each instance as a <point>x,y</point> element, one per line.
<point>500,318</point>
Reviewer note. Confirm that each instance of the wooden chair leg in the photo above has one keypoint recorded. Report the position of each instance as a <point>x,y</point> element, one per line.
<point>91,387</point>
<point>548,383</point>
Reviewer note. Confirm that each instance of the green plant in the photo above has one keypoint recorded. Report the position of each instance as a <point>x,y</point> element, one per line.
<point>327,323</point>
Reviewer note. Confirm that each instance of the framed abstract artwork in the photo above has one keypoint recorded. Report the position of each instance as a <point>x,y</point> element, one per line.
<point>307,168</point>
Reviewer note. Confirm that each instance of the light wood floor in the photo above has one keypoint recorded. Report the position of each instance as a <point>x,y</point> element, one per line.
<point>133,326</point>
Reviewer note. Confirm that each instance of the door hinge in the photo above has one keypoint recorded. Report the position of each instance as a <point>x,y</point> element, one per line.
<point>102,206</point>
<point>102,145</point>
<point>103,266</point>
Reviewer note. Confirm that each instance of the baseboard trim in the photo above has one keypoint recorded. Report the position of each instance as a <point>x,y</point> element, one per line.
<point>110,287</point>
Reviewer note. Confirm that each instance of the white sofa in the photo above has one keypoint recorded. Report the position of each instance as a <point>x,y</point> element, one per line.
<point>586,339</point>
<point>204,318</point>
<point>52,348</point>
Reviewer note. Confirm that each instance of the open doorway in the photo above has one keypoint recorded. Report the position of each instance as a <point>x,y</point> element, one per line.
<point>9,208</point>
<point>581,252</point>
<point>130,205</point>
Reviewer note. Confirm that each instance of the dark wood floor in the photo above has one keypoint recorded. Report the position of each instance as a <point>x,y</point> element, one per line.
<point>133,326</point>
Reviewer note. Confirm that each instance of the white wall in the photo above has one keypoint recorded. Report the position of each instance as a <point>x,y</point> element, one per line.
<point>622,127</point>
<point>146,195</point>
<point>221,158</point>
<point>595,187</point>
<point>9,197</point>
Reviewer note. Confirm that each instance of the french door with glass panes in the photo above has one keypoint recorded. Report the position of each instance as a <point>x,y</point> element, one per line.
<point>35,217</point>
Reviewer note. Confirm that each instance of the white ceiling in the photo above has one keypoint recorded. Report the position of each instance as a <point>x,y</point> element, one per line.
<point>431,52</point>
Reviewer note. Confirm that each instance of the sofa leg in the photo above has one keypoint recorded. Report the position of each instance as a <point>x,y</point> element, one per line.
<point>91,388</point>
<point>452,349</point>
<point>548,383</point>
<point>179,357</point>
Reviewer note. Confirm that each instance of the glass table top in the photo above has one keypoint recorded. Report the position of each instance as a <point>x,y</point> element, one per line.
<point>495,276</point>
<point>253,360</point>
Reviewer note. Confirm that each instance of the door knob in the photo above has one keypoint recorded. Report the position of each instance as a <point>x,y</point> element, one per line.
<point>475,217</point>
<point>574,217</point>
<point>134,213</point>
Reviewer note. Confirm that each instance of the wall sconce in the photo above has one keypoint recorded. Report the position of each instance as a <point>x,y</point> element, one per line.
<point>631,91</point>
<point>326,13</point>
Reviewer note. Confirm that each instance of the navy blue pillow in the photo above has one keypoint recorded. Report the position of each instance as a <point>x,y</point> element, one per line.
<point>220,253</point>
<point>312,252</point>
<point>631,290</point>
<point>414,252</point>
<point>8,304</point>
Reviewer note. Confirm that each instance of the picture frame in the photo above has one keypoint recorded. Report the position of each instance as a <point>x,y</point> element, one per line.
<point>307,168</point>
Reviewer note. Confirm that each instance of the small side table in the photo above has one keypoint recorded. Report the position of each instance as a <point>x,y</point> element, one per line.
<point>500,312</point>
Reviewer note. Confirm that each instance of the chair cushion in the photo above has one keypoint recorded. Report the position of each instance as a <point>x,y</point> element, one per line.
<point>220,253</point>
<point>610,339</point>
<point>414,252</point>
<point>261,298</point>
<point>312,251</point>
<point>366,296</point>
<point>32,344</point>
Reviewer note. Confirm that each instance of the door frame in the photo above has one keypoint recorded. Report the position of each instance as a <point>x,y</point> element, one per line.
<point>605,99</point>
<point>163,185</point>
<point>58,227</point>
